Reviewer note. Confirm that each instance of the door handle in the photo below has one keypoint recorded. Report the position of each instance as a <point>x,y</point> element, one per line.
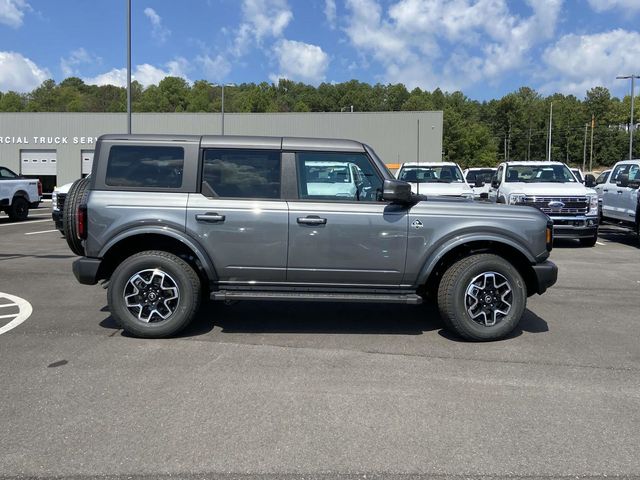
<point>605,189</point>
<point>210,218</point>
<point>312,220</point>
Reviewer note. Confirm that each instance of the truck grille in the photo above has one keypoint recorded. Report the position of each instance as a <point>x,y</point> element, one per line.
<point>570,205</point>
<point>60,201</point>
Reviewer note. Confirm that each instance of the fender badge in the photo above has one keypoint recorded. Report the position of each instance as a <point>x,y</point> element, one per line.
<point>417,224</point>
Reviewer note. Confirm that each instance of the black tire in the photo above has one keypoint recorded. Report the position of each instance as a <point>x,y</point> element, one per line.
<point>19,209</point>
<point>453,295</point>
<point>69,221</point>
<point>589,242</point>
<point>176,272</point>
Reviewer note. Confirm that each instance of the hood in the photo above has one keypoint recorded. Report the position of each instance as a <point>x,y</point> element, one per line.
<point>436,189</point>
<point>544,189</point>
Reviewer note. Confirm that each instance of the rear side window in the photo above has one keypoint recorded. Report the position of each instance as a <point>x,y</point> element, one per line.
<point>145,166</point>
<point>236,173</point>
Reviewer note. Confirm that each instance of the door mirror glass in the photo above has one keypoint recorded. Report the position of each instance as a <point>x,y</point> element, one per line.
<point>589,180</point>
<point>396,191</point>
<point>495,183</point>
<point>623,180</point>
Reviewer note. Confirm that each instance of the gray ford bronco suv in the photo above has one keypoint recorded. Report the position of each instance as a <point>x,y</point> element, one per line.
<point>169,220</point>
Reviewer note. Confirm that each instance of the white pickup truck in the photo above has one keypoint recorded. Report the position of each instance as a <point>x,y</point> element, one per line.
<point>18,194</point>
<point>435,179</point>
<point>552,188</point>
<point>620,197</point>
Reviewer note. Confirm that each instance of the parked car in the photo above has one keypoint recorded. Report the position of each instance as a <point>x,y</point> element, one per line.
<point>435,179</point>
<point>552,188</point>
<point>58,198</point>
<point>18,194</point>
<point>165,219</point>
<point>620,199</point>
<point>480,180</point>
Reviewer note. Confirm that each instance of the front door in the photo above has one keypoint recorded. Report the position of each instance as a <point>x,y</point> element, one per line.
<point>340,232</point>
<point>615,197</point>
<point>239,216</point>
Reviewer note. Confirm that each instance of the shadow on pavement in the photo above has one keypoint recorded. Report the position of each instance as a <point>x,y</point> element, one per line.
<point>530,323</point>
<point>619,235</point>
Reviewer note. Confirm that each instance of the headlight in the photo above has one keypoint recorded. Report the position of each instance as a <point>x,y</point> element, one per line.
<point>516,198</point>
<point>593,204</point>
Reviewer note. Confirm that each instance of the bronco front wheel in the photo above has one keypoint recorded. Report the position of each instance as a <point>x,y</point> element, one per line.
<point>482,297</point>
<point>154,294</point>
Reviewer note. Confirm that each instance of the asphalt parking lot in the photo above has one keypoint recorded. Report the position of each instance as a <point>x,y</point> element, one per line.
<point>279,390</point>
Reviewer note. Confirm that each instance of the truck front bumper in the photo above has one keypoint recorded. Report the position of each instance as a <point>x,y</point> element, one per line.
<point>546,275</point>
<point>86,270</point>
<point>575,227</point>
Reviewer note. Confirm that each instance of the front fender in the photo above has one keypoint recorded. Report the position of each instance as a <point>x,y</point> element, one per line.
<point>188,241</point>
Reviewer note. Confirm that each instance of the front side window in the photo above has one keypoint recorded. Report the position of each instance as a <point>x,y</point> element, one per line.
<point>602,178</point>
<point>484,175</point>
<point>634,173</point>
<point>542,173</point>
<point>619,170</point>
<point>338,176</point>
<point>237,173</point>
<point>6,173</point>
<point>145,166</point>
<point>424,174</point>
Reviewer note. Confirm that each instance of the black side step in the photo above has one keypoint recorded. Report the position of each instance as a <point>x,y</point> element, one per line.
<point>404,298</point>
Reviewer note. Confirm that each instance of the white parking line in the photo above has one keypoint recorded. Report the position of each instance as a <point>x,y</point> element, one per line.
<point>600,243</point>
<point>43,231</point>
<point>24,311</point>
<point>24,223</point>
<point>8,305</point>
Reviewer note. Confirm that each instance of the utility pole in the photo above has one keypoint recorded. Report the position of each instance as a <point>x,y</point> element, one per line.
<point>593,124</point>
<point>222,85</point>
<point>584,150</point>
<point>550,122</point>
<point>129,66</point>
<point>529,144</point>
<point>631,124</point>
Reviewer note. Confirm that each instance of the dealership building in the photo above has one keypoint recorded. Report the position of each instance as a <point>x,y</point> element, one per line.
<point>58,148</point>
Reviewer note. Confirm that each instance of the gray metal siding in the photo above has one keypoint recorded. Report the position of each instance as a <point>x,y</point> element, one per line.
<point>393,135</point>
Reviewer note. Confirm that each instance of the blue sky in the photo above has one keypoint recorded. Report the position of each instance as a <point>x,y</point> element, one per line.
<point>485,48</point>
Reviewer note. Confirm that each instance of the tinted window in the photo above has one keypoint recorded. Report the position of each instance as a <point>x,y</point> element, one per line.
<point>541,173</point>
<point>602,178</point>
<point>338,176</point>
<point>620,170</point>
<point>439,174</point>
<point>151,167</point>
<point>6,173</point>
<point>485,175</point>
<point>236,173</point>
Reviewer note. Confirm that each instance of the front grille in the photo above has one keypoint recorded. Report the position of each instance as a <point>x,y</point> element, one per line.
<point>60,201</point>
<point>572,205</point>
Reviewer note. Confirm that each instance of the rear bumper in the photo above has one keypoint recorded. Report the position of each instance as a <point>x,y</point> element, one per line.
<point>86,270</point>
<point>546,276</point>
<point>575,227</point>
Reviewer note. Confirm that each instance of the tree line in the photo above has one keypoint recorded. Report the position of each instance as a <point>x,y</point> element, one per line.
<point>514,127</point>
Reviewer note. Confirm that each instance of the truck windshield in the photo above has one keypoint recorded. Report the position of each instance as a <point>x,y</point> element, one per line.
<point>485,175</point>
<point>319,172</point>
<point>439,174</point>
<point>541,173</point>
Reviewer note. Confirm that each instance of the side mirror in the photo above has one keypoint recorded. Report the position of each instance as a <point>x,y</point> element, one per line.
<point>589,180</point>
<point>495,183</point>
<point>479,183</point>
<point>484,196</point>
<point>396,191</point>
<point>623,180</point>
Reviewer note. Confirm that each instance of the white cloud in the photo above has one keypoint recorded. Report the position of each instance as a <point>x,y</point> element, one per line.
<point>215,69</point>
<point>80,56</point>
<point>261,19</point>
<point>330,12</point>
<point>409,37</point>
<point>158,31</point>
<point>625,5</point>
<point>300,61</point>
<point>12,12</point>
<point>145,73</point>
<point>577,63</point>
<point>19,73</point>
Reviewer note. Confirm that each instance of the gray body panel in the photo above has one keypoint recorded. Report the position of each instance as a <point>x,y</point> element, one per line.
<point>361,243</point>
<point>250,244</point>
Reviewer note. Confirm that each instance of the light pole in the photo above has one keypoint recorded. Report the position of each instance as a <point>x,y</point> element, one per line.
<point>222,85</point>
<point>129,66</point>
<point>633,78</point>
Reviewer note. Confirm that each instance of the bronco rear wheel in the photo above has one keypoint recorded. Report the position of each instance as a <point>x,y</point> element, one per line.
<point>154,294</point>
<point>482,297</point>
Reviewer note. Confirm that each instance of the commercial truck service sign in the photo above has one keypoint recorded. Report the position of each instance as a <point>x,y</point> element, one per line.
<point>48,140</point>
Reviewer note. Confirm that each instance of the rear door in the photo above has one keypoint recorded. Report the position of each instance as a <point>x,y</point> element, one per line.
<point>239,216</point>
<point>341,238</point>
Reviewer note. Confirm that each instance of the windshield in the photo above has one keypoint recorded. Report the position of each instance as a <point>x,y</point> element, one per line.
<point>542,173</point>
<point>485,175</point>
<point>443,174</point>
